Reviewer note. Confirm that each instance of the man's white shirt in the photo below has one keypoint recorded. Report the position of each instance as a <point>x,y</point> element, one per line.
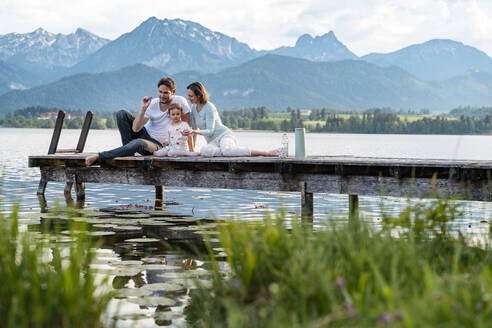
<point>158,120</point>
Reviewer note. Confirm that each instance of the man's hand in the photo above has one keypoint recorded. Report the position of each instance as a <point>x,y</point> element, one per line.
<point>140,120</point>
<point>146,102</point>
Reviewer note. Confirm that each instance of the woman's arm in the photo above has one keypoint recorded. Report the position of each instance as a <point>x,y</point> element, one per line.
<point>210,119</point>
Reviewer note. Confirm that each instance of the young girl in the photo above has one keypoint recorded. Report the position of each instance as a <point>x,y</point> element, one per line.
<point>176,143</point>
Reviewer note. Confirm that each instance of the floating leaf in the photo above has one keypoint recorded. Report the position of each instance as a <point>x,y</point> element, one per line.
<point>169,315</point>
<point>101,233</point>
<point>143,240</point>
<point>163,286</point>
<point>184,274</point>
<point>158,259</point>
<point>104,225</point>
<point>120,272</point>
<point>130,316</point>
<point>129,292</point>
<point>194,283</point>
<point>127,228</point>
<point>160,267</point>
<point>128,262</point>
<point>156,223</point>
<point>153,301</point>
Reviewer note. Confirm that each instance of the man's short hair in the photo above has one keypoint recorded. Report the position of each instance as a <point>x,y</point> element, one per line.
<point>168,82</point>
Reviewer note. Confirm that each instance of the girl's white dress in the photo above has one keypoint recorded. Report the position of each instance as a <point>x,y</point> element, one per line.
<point>178,143</point>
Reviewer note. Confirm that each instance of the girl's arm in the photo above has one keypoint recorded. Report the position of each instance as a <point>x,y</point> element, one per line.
<point>191,144</point>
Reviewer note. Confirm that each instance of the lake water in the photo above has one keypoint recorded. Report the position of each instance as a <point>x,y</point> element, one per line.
<point>19,184</point>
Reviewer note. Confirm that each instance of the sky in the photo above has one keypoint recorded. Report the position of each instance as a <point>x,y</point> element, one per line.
<point>364,26</point>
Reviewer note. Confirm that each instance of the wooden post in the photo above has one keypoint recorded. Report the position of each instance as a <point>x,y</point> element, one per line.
<point>42,186</point>
<point>159,197</point>
<point>353,206</point>
<point>306,202</point>
<point>43,205</point>
<point>68,193</point>
<point>79,189</point>
<point>68,189</point>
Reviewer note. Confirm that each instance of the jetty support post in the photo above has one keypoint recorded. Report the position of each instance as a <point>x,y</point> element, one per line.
<point>42,187</point>
<point>307,208</point>
<point>353,206</point>
<point>79,189</point>
<point>159,197</point>
<point>43,204</point>
<point>67,192</point>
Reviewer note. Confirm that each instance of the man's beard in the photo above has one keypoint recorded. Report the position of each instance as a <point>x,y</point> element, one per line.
<point>166,102</point>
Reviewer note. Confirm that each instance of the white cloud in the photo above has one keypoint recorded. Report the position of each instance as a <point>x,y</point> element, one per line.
<point>363,25</point>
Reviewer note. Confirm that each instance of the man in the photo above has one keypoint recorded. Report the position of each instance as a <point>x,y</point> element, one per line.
<point>144,134</point>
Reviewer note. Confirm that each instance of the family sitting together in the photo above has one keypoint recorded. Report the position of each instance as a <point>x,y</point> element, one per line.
<point>162,127</point>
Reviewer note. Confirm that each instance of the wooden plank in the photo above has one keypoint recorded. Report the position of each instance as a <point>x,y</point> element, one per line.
<point>362,185</point>
<point>59,151</point>
<point>84,132</point>
<point>56,132</point>
<point>312,163</point>
<point>462,172</point>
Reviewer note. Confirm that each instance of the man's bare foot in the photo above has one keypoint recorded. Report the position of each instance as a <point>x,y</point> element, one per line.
<point>91,160</point>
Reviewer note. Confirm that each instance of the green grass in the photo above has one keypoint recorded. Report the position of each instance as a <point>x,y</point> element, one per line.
<point>411,272</point>
<point>47,284</point>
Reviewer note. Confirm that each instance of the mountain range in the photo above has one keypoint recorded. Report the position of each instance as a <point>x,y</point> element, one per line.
<point>47,54</point>
<point>187,49</point>
<point>435,59</point>
<point>271,80</point>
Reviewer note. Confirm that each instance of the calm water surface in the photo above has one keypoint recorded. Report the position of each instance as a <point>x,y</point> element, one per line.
<point>19,184</point>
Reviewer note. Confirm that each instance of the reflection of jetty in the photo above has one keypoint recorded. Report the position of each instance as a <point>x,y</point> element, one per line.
<point>338,175</point>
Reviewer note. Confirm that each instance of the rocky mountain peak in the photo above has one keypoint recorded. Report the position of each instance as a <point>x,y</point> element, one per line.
<point>304,40</point>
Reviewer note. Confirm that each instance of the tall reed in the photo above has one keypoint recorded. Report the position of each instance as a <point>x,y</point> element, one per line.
<point>412,272</point>
<point>47,284</point>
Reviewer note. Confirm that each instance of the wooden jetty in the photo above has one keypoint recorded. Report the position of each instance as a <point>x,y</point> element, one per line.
<point>469,180</point>
<point>339,175</point>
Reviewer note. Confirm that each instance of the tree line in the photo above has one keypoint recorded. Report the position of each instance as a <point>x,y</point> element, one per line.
<point>376,120</point>
<point>29,118</point>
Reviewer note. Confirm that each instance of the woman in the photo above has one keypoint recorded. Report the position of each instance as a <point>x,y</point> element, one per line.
<point>220,140</point>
